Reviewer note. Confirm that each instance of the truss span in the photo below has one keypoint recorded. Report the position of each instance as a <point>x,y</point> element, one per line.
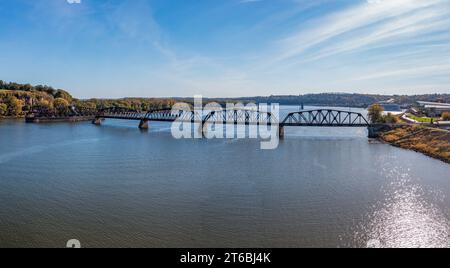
<point>315,118</point>
<point>325,118</point>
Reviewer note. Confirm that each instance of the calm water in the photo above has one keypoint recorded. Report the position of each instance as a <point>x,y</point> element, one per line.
<point>114,186</point>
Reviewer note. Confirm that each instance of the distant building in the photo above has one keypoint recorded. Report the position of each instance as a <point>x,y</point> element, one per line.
<point>390,106</point>
<point>434,109</point>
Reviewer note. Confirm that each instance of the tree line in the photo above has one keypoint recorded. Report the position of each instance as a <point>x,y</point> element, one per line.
<point>19,99</point>
<point>348,100</point>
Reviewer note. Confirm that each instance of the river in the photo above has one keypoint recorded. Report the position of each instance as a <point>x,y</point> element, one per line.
<point>116,186</point>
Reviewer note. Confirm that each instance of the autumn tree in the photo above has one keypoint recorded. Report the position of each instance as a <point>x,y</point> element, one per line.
<point>3,109</point>
<point>446,116</point>
<point>61,105</point>
<point>376,114</point>
<point>44,106</point>
<point>14,106</point>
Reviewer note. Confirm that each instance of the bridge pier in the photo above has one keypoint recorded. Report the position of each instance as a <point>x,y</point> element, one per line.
<point>143,125</point>
<point>376,130</point>
<point>97,121</point>
<point>281,132</point>
<point>373,132</point>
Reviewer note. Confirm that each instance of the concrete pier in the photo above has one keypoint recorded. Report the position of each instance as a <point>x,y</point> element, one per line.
<point>281,132</point>
<point>375,130</point>
<point>143,125</point>
<point>97,121</point>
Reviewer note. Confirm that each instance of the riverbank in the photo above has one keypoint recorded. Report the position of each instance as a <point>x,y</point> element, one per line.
<point>12,117</point>
<point>32,119</point>
<point>429,141</point>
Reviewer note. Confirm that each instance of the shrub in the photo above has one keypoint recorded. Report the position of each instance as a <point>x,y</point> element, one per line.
<point>390,119</point>
<point>446,116</point>
<point>3,109</point>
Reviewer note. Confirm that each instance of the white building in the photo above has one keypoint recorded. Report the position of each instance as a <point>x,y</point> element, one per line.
<point>434,109</point>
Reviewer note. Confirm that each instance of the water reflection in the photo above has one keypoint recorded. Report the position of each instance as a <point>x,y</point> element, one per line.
<point>408,217</point>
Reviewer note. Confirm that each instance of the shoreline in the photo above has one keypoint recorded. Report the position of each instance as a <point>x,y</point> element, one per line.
<point>36,120</point>
<point>431,142</point>
<point>12,117</point>
<point>68,119</point>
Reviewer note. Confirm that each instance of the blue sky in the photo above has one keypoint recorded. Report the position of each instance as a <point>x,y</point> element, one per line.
<point>227,48</point>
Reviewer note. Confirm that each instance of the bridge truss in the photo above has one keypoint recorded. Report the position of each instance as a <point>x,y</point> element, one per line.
<point>325,118</point>
<point>312,118</point>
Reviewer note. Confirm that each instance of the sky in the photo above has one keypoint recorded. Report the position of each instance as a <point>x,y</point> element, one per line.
<point>226,48</point>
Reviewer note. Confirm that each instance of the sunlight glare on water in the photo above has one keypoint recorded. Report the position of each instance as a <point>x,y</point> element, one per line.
<point>405,218</point>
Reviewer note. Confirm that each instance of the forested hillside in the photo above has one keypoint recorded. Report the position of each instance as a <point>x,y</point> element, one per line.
<point>18,99</point>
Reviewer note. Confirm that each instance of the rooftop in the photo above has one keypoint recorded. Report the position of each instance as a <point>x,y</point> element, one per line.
<point>437,104</point>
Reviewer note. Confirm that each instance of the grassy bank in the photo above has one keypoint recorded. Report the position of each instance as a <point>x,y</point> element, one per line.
<point>426,120</point>
<point>430,141</point>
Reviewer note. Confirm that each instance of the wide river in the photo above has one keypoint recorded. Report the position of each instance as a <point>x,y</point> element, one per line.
<point>115,186</point>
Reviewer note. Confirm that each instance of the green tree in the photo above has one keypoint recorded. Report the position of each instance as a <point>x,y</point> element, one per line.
<point>83,106</point>
<point>376,114</point>
<point>3,109</point>
<point>63,95</point>
<point>61,105</point>
<point>26,87</point>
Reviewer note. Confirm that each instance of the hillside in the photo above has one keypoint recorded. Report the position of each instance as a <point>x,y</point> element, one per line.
<point>16,100</point>
<point>15,103</point>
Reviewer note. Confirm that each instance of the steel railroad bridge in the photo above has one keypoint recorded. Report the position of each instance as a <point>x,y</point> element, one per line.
<point>306,118</point>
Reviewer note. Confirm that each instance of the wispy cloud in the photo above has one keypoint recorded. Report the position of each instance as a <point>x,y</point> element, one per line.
<point>364,25</point>
<point>414,71</point>
<point>239,47</point>
<point>362,42</point>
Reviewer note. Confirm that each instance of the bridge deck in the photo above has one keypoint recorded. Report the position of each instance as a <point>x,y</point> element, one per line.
<point>310,118</point>
<point>236,123</point>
